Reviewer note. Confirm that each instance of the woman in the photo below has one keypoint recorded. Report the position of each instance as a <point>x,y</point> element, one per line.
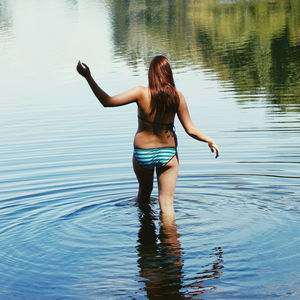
<point>155,142</point>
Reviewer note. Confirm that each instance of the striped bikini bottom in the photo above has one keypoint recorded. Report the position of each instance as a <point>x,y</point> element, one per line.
<point>157,157</point>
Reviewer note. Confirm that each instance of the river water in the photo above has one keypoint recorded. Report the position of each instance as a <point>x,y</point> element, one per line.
<point>70,227</point>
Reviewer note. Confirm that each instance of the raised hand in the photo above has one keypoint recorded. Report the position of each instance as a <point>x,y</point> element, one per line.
<point>83,69</point>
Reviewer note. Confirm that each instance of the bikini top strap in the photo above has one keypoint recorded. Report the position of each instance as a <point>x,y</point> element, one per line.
<point>169,126</point>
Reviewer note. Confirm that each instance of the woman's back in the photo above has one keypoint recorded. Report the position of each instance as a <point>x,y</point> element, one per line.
<point>154,130</point>
<point>157,107</point>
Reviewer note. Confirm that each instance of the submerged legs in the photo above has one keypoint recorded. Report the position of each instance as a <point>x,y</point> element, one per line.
<point>166,178</point>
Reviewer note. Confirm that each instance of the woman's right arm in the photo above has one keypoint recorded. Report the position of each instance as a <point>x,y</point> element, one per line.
<point>191,129</point>
<point>132,95</point>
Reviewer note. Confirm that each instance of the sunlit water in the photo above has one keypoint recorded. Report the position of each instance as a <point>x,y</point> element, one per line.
<point>70,227</point>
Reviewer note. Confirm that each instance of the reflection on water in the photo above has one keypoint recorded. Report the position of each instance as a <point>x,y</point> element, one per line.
<point>200,283</point>
<point>5,16</point>
<point>161,259</point>
<point>253,45</point>
<point>69,227</point>
<point>160,256</point>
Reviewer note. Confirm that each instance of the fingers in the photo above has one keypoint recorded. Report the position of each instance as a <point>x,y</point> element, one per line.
<point>83,69</point>
<point>79,66</point>
<point>217,152</point>
<point>213,147</point>
<point>83,65</point>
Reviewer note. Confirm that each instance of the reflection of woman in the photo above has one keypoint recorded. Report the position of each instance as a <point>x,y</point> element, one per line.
<point>155,140</point>
<point>160,256</point>
<point>161,262</point>
<point>200,283</point>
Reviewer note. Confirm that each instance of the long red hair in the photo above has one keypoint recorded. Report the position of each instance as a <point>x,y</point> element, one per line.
<point>164,97</point>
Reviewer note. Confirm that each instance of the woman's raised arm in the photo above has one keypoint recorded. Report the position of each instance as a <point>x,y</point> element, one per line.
<point>132,95</point>
<point>191,129</point>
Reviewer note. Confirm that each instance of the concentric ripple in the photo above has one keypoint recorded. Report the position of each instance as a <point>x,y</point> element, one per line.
<point>70,225</point>
<point>75,240</point>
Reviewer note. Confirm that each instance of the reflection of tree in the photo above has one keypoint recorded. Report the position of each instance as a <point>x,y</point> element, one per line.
<point>253,44</point>
<point>161,263</point>
<point>141,28</point>
<point>5,16</point>
<point>285,70</point>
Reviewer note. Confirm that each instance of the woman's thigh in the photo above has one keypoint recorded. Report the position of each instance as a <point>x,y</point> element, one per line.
<point>167,177</point>
<point>144,176</point>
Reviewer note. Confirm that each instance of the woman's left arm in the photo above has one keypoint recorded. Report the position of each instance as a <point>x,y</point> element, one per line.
<point>132,95</point>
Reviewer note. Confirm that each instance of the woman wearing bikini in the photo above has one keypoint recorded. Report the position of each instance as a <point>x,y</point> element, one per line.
<point>155,142</point>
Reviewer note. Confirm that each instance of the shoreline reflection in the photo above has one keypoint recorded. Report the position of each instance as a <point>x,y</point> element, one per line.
<point>251,46</point>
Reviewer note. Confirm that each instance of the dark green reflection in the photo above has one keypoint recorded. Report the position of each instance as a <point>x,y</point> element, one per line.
<point>5,16</point>
<point>254,45</point>
<point>161,263</point>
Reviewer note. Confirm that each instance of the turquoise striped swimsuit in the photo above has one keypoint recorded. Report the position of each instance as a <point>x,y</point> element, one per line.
<point>157,157</point>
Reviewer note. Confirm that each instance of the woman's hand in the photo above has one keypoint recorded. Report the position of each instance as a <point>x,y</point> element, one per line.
<point>213,146</point>
<point>83,69</point>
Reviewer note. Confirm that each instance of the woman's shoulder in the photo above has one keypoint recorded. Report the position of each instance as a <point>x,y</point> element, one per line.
<point>143,89</point>
<point>140,91</point>
<point>144,92</point>
<point>179,93</point>
<point>181,97</point>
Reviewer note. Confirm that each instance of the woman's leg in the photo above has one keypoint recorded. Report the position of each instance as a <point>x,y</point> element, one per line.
<point>145,179</point>
<point>166,178</point>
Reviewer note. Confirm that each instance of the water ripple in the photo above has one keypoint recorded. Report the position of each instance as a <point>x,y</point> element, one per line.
<point>70,225</point>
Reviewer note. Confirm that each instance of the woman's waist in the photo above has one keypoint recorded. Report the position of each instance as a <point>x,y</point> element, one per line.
<point>148,140</point>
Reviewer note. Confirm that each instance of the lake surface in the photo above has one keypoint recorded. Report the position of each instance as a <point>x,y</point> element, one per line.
<point>70,227</point>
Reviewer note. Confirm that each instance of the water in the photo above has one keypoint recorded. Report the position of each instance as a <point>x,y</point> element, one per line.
<point>70,227</point>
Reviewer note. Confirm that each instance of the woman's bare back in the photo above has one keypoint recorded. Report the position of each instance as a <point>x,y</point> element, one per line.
<point>152,133</point>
